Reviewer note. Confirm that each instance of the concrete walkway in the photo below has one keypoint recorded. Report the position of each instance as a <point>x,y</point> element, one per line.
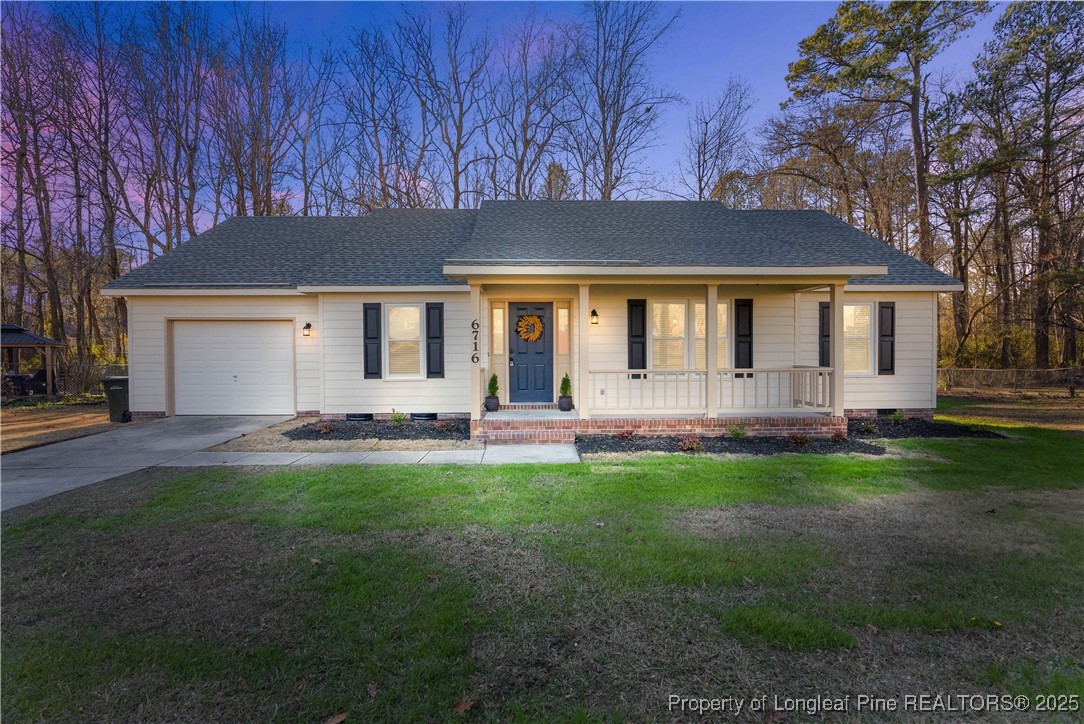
<point>38,473</point>
<point>492,455</point>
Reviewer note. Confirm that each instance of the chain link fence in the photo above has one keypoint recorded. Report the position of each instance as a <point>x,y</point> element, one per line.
<point>1016,381</point>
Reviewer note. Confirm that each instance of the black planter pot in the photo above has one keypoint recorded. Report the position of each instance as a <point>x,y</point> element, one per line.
<point>564,403</point>
<point>493,404</point>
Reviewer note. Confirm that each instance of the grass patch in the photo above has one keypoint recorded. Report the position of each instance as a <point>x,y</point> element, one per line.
<point>764,624</point>
<point>380,617</point>
<point>1031,678</point>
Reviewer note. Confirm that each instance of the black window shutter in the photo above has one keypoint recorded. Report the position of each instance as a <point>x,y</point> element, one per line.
<point>371,333</point>
<point>825,357</point>
<point>434,339</point>
<point>743,333</point>
<point>637,334</point>
<point>886,338</point>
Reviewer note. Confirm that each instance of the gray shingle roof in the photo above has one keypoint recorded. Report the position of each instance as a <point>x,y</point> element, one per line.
<point>403,247</point>
<point>12,335</point>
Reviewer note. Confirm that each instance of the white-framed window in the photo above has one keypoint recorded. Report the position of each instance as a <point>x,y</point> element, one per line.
<point>668,325</point>
<point>858,338</point>
<point>721,335</point>
<point>403,341</point>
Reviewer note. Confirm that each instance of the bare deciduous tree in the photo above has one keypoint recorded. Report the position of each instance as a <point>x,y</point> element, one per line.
<point>530,106</point>
<point>448,75</point>
<point>618,103</point>
<point>715,139</point>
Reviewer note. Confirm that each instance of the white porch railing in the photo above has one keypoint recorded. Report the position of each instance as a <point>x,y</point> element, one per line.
<point>784,389</point>
<point>661,391</point>
<point>807,389</point>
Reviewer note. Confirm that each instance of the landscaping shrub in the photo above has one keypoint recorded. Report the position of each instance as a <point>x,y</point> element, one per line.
<point>868,428</point>
<point>736,431</point>
<point>625,435</point>
<point>691,444</point>
<point>839,436</point>
<point>799,441</point>
<point>444,426</point>
<point>398,418</point>
<point>897,418</point>
<point>325,427</point>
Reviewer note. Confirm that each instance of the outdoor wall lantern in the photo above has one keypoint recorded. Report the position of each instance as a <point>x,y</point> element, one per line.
<point>594,316</point>
<point>307,329</point>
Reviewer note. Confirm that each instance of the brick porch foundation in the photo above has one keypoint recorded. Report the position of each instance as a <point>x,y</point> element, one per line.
<point>566,430</point>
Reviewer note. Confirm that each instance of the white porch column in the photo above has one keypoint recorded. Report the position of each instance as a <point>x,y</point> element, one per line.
<point>475,350</point>
<point>711,345</point>
<point>835,297</point>
<point>583,384</point>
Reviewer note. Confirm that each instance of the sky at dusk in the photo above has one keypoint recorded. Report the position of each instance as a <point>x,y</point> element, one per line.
<point>710,42</point>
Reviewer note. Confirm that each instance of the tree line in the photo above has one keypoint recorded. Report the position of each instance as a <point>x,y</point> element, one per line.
<point>128,129</point>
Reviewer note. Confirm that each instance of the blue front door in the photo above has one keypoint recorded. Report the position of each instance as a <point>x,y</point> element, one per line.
<point>530,352</point>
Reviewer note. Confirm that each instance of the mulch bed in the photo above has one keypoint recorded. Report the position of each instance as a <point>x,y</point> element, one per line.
<point>884,428</point>
<point>381,430</point>
<point>721,445</point>
<point>859,433</point>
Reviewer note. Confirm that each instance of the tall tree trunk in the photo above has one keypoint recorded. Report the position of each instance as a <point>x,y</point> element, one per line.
<point>921,163</point>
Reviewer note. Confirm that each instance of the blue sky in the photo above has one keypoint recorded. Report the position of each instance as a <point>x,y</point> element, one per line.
<point>710,42</point>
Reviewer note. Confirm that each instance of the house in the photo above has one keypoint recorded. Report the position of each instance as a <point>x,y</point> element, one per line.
<point>667,316</point>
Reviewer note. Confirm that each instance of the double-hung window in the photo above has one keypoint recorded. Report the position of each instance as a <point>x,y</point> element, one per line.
<point>670,348</point>
<point>857,338</point>
<point>668,326</point>
<point>404,325</point>
<point>701,325</point>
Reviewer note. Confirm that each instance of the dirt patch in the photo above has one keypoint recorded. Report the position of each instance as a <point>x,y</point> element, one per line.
<point>886,529</point>
<point>22,428</point>
<point>285,438</point>
<point>1056,411</point>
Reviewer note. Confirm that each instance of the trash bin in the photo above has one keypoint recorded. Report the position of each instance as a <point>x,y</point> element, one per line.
<point>116,391</point>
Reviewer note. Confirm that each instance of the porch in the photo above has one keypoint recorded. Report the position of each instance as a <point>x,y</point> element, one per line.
<point>663,358</point>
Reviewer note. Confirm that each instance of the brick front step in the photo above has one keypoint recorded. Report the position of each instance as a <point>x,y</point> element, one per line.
<point>525,436</point>
<point>529,406</point>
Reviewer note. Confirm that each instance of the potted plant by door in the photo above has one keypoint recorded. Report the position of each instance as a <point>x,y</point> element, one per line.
<point>493,403</point>
<point>564,401</point>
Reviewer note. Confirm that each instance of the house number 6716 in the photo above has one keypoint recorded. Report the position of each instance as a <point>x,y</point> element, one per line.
<point>474,327</point>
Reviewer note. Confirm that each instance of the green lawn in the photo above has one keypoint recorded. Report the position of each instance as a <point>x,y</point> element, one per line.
<point>584,592</point>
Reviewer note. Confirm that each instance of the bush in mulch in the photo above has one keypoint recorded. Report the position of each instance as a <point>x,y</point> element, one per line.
<point>722,444</point>
<point>382,430</point>
<point>895,428</point>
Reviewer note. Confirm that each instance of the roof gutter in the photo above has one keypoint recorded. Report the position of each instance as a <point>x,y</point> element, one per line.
<point>462,271</point>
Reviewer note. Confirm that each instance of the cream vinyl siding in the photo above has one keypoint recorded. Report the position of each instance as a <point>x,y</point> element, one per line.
<point>774,336</point>
<point>914,383</point>
<point>347,390</point>
<point>150,332</point>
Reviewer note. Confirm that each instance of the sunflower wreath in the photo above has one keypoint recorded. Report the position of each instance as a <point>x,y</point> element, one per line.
<point>529,328</point>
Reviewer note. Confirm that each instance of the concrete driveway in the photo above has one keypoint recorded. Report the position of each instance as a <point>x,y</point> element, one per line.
<point>35,474</point>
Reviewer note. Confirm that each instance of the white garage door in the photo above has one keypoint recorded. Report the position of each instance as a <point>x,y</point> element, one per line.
<point>233,368</point>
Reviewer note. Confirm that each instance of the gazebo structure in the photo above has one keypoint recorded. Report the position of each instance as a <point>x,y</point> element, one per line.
<point>14,339</point>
